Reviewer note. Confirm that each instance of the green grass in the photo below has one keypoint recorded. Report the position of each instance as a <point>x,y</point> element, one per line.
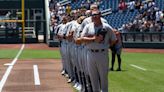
<point>8,54</point>
<point>128,80</point>
<point>30,54</point>
<point>40,54</point>
<point>135,80</point>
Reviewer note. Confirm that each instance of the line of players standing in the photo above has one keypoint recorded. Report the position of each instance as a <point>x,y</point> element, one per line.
<point>82,46</point>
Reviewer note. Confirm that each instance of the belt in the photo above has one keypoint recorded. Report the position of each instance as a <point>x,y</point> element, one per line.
<point>97,50</point>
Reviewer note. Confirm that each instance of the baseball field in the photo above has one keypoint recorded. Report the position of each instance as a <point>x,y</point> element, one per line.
<point>36,68</point>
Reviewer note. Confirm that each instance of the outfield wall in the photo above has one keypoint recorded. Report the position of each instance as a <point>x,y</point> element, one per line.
<point>143,40</point>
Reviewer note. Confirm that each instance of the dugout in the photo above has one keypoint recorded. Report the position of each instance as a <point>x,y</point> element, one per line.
<point>35,21</point>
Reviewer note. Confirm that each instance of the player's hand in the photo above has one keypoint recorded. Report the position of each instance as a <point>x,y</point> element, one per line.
<point>78,41</point>
<point>99,38</point>
<point>70,37</point>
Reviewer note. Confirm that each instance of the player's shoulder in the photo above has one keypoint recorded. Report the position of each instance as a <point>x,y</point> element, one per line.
<point>68,23</point>
<point>104,20</point>
<point>60,25</point>
<point>90,25</point>
<point>73,21</point>
<point>107,26</point>
<point>76,23</point>
<point>87,20</point>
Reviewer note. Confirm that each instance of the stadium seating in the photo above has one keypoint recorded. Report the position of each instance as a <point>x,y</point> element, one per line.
<point>110,3</point>
<point>159,4</point>
<point>116,20</point>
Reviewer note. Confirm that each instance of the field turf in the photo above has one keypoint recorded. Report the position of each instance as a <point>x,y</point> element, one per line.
<point>130,79</point>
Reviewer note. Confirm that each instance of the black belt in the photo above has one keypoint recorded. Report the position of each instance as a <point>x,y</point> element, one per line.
<point>97,50</point>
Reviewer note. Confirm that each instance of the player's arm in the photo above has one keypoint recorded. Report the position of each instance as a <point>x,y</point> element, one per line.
<point>88,39</point>
<point>70,35</point>
<point>113,38</point>
<point>112,43</point>
<point>59,35</point>
<point>81,40</point>
<point>85,38</point>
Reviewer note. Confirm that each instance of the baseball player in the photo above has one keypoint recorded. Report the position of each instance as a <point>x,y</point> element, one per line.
<point>77,54</point>
<point>97,36</point>
<point>60,35</point>
<point>68,50</point>
<point>87,83</point>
